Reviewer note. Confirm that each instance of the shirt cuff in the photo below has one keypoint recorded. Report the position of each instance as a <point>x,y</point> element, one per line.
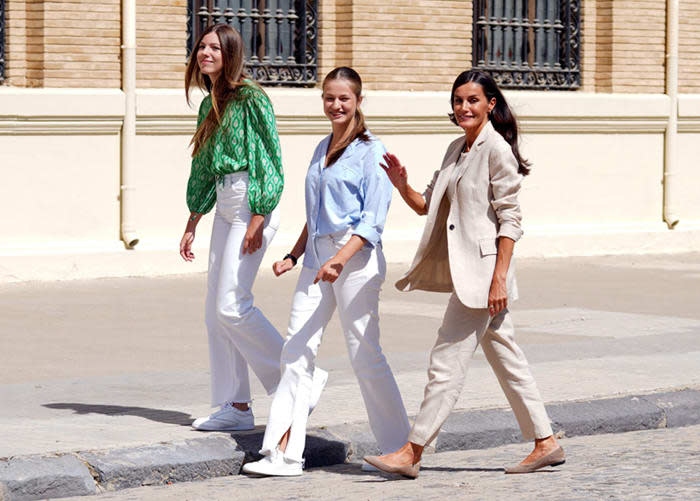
<point>367,232</point>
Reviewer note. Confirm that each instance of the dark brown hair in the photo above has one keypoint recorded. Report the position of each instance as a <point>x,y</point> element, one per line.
<point>502,117</point>
<point>225,86</point>
<point>357,129</point>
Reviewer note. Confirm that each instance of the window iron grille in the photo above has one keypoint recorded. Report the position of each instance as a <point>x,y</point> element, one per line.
<point>2,40</point>
<point>528,44</point>
<point>280,36</point>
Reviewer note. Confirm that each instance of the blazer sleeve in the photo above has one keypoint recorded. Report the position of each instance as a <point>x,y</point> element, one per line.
<point>428,193</point>
<point>505,185</point>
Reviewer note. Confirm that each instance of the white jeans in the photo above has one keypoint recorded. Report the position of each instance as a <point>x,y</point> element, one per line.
<point>239,334</point>
<point>356,295</point>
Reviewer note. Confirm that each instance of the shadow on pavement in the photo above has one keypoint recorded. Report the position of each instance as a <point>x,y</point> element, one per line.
<point>159,415</point>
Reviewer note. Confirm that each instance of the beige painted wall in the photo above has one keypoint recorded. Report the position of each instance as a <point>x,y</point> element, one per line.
<point>595,187</point>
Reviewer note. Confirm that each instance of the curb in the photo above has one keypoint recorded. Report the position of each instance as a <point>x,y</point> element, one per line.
<point>91,472</point>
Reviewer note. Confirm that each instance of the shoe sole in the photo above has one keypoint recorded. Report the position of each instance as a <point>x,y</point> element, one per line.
<point>265,474</point>
<point>235,428</point>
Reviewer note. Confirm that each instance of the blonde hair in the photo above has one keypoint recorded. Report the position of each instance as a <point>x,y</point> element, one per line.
<point>359,128</point>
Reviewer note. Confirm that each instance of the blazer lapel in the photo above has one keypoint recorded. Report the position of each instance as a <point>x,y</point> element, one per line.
<point>444,177</point>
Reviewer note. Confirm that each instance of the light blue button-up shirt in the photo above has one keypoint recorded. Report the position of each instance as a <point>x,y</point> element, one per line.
<point>354,192</point>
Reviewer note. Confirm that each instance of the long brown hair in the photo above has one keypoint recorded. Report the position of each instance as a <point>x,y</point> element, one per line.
<point>226,84</point>
<point>502,117</point>
<point>358,129</point>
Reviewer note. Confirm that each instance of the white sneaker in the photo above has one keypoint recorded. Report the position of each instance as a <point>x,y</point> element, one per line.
<point>274,465</point>
<point>228,418</point>
<point>320,378</point>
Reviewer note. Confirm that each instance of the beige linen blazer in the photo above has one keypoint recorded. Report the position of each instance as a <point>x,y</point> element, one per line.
<point>457,251</point>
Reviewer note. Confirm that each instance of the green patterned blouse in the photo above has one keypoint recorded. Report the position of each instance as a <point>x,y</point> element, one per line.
<point>246,140</point>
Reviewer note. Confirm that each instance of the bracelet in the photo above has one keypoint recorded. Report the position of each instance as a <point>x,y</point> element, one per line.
<point>289,256</point>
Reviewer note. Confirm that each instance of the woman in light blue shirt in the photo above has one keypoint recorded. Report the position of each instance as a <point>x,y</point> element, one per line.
<point>347,198</point>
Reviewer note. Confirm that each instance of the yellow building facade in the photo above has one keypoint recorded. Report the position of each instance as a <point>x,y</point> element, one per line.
<point>94,128</point>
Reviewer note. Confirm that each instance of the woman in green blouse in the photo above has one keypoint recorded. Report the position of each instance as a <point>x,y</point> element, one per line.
<point>237,165</point>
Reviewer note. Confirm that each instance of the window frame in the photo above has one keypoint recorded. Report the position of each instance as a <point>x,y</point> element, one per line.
<point>552,46</point>
<point>266,65</point>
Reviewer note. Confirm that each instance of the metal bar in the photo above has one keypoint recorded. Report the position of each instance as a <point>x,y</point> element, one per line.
<point>266,40</point>
<point>279,33</point>
<point>292,21</point>
<point>519,56</point>
<point>509,39</point>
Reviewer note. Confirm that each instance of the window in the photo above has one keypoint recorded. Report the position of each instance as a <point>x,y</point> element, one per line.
<point>280,36</point>
<point>528,44</point>
<point>2,40</point>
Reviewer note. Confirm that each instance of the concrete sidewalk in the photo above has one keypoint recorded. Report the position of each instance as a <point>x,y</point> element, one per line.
<point>118,367</point>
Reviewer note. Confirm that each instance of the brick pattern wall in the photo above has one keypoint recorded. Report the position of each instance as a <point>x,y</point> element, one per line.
<point>76,43</point>
<point>161,38</point>
<point>623,46</point>
<point>603,54</point>
<point>689,57</point>
<point>398,45</point>
<point>596,45</point>
<point>15,42</point>
<point>639,42</point>
<point>335,35</point>
<point>73,43</point>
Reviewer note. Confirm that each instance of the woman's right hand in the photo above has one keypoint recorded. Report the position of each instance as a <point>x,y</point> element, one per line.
<point>283,266</point>
<point>396,172</point>
<point>186,245</point>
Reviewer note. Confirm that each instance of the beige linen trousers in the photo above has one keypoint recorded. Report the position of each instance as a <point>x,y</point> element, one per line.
<point>457,253</point>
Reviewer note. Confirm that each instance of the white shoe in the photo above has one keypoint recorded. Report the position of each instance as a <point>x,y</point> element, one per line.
<point>320,378</point>
<point>228,418</point>
<point>274,465</point>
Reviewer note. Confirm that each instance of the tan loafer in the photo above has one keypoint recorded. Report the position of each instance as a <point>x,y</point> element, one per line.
<point>554,458</point>
<point>410,470</point>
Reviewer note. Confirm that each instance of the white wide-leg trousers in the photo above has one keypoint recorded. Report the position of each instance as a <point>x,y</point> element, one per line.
<point>239,334</point>
<point>462,330</point>
<point>355,294</point>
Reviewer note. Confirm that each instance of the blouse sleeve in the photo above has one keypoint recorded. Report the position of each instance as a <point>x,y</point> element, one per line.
<point>376,196</point>
<point>263,153</point>
<point>201,186</point>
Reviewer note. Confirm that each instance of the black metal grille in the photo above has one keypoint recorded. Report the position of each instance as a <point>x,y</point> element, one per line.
<point>2,40</point>
<point>280,36</point>
<point>528,44</point>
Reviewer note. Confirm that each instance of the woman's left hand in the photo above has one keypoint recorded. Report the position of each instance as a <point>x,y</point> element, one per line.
<point>254,234</point>
<point>498,296</point>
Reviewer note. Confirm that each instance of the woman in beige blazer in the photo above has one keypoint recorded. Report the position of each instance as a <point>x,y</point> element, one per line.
<point>466,249</point>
